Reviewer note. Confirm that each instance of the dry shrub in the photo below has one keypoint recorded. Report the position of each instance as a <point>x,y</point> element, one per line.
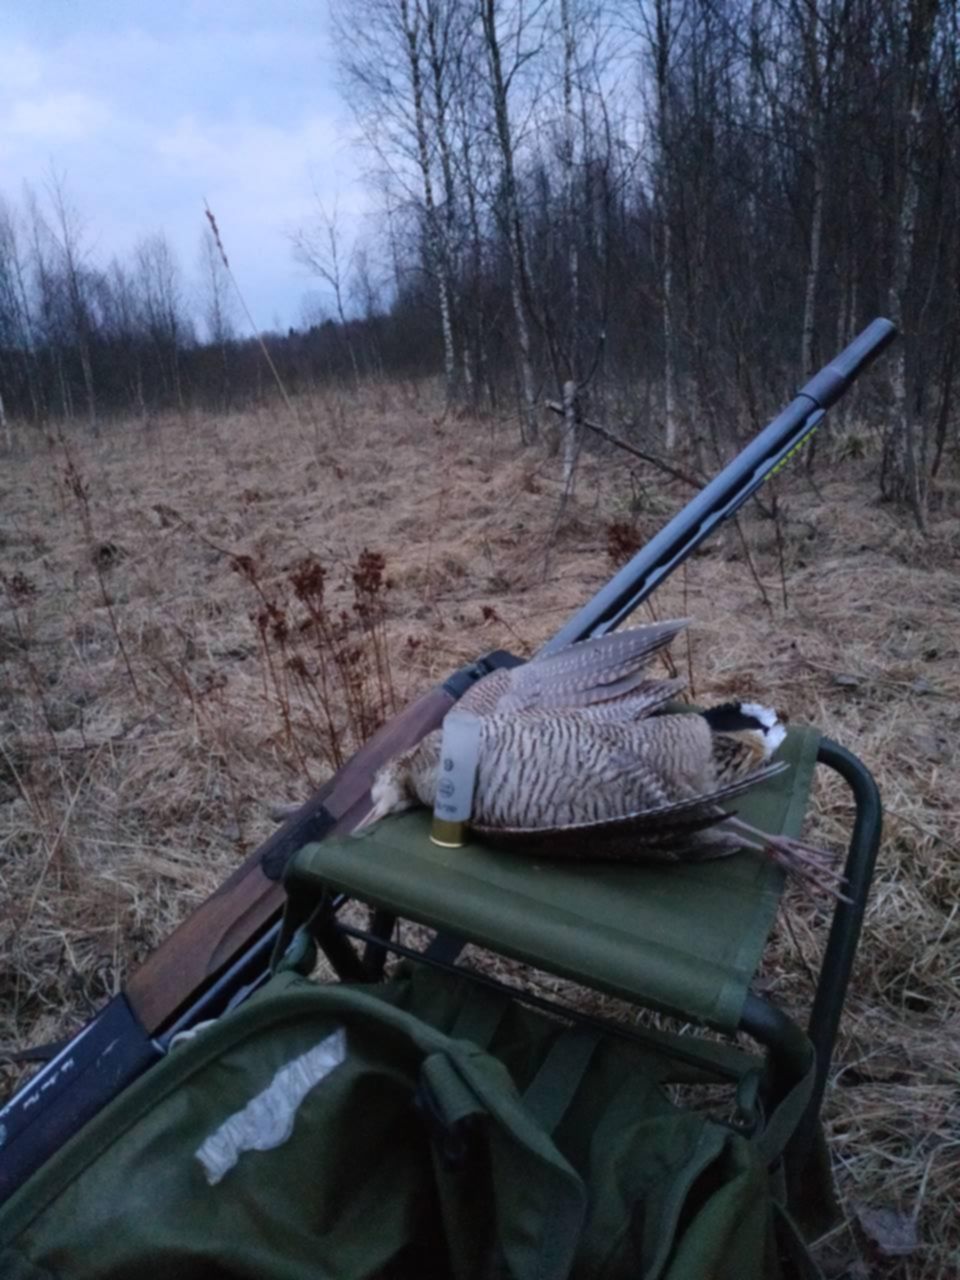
<point>623,542</point>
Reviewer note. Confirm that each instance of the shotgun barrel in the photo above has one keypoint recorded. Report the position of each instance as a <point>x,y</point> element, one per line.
<point>764,456</point>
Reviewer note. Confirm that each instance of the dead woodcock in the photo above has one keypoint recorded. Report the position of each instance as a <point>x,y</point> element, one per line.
<point>578,759</point>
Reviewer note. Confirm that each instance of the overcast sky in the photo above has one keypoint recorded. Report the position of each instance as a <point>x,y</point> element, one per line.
<point>148,107</point>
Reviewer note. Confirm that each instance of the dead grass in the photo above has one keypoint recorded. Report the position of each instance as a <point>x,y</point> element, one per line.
<point>143,737</point>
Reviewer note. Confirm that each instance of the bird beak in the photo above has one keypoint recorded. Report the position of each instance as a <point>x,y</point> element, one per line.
<point>373,815</point>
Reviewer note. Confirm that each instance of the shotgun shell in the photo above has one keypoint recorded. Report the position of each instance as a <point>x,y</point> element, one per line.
<point>459,756</point>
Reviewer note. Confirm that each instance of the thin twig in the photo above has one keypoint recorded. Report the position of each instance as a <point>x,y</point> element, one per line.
<point>750,564</point>
<point>776,521</point>
<point>931,835</point>
<point>661,464</point>
<point>687,637</point>
<point>561,506</point>
<point>250,320</point>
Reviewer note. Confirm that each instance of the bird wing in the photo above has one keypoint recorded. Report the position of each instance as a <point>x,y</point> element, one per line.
<point>670,830</point>
<point>636,705</point>
<point>545,768</point>
<point>588,672</point>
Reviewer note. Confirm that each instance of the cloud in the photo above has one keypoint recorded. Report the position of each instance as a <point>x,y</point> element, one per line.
<point>263,182</point>
<point>148,113</point>
<point>54,118</point>
<point>267,164</point>
<point>21,67</point>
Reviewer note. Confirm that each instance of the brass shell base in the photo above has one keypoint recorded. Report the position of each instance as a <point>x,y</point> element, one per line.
<point>448,835</point>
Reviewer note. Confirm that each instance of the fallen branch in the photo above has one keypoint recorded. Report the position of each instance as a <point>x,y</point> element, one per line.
<point>687,477</point>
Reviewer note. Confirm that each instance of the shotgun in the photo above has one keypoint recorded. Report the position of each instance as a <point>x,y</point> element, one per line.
<point>222,951</point>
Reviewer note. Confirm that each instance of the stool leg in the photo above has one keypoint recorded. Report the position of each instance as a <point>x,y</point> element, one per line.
<point>382,924</point>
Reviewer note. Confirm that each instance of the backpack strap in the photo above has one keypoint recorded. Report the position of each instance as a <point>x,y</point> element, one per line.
<point>793,1246</point>
<point>479,1015</point>
<point>444,1099</point>
<point>559,1076</point>
<point>785,1117</point>
<point>554,1087</point>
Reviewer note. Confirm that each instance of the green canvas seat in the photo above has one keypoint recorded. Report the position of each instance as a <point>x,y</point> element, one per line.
<point>681,938</point>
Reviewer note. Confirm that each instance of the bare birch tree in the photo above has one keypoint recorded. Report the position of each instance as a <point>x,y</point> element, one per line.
<point>129,333</point>
<point>500,80</point>
<point>568,162</point>
<point>51,321</point>
<point>411,17</point>
<point>319,248</point>
<point>17,336</point>
<point>218,307</point>
<point>904,472</point>
<point>811,25</point>
<point>68,231</point>
<point>446,30</point>
<point>394,60</point>
<point>660,22</point>
<point>474,165</point>
<point>161,300</point>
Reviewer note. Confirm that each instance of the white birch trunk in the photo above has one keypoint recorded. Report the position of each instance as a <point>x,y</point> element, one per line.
<point>5,427</point>
<point>669,400</point>
<point>447,265</point>
<point>813,268</point>
<point>818,127</point>
<point>411,31</point>
<point>476,268</point>
<point>847,323</point>
<point>906,471</point>
<point>662,56</point>
<point>512,212</point>
<point>569,168</point>
<point>570,432</point>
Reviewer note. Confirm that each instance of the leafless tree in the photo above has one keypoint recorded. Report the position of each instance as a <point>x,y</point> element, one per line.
<point>18,355</point>
<point>320,249</point>
<point>905,476</point>
<point>129,334</point>
<point>501,78</point>
<point>217,302</point>
<point>67,230</point>
<point>660,24</point>
<point>161,302</point>
<point>218,306</point>
<point>49,304</point>
<point>447,35</point>
<point>394,60</point>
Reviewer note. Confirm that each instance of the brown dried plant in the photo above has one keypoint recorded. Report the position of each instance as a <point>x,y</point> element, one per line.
<point>80,490</point>
<point>336,656</point>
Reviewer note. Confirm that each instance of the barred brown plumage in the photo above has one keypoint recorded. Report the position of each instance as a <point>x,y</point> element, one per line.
<point>593,671</point>
<point>577,759</point>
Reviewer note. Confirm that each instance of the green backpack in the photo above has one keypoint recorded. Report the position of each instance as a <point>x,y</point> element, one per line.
<point>423,1127</point>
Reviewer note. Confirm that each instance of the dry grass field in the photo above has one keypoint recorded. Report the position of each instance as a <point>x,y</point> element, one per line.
<point>165,595</point>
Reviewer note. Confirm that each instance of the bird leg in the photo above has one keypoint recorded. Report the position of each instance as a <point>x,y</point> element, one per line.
<point>816,866</point>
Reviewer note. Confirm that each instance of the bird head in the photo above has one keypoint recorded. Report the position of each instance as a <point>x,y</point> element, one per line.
<point>762,723</point>
<point>389,793</point>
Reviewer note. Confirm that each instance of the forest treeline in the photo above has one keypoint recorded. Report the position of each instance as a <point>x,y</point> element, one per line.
<point>680,207</point>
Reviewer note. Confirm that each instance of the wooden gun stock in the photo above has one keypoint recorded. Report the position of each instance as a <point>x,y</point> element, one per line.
<point>220,951</point>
